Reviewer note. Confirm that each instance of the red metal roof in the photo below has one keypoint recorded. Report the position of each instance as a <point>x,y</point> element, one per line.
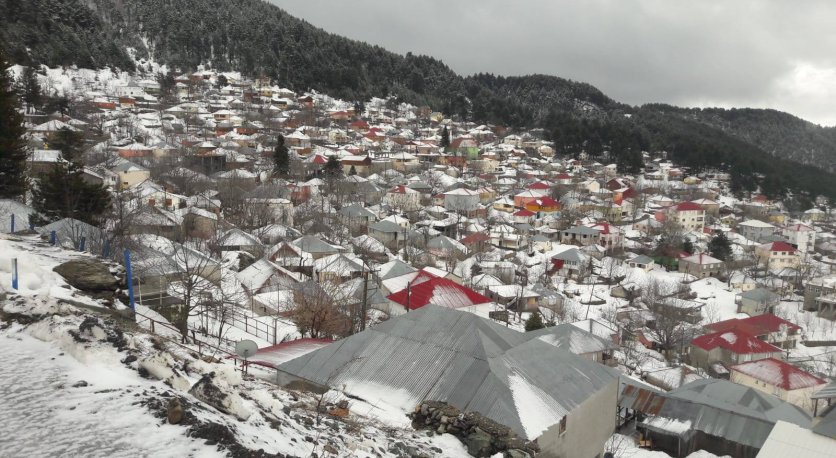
<point>781,246</point>
<point>428,289</point>
<point>688,206</point>
<point>778,373</point>
<point>524,212</point>
<point>539,185</point>
<point>757,325</point>
<point>735,341</point>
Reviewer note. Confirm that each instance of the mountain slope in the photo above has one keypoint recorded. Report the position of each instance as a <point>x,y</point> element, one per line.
<point>258,38</point>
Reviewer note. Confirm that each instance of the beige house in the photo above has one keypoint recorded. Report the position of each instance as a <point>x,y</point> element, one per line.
<point>777,255</point>
<point>778,378</point>
<point>689,216</point>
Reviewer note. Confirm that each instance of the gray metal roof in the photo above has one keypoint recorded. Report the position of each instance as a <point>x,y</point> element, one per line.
<point>759,294</point>
<point>571,338</point>
<point>439,354</point>
<point>719,408</point>
<point>827,425</point>
<point>829,391</point>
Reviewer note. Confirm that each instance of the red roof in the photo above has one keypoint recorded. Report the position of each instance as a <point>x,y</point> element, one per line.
<point>780,246</point>
<point>564,176</point>
<point>735,341</point>
<point>689,206</point>
<point>524,212</point>
<point>274,355</point>
<point>757,325</point>
<point>475,237</point>
<point>319,159</point>
<point>547,201</point>
<point>429,289</point>
<point>539,185</point>
<point>778,373</point>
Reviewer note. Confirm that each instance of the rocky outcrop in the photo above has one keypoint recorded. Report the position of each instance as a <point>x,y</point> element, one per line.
<point>213,391</point>
<point>482,436</point>
<point>88,275</point>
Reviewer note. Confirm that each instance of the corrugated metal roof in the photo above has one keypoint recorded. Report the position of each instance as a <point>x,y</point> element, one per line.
<point>572,338</point>
<point>457,357</point>
<point>719,408</point>
<point>827,425</point>
<point>829,391</point>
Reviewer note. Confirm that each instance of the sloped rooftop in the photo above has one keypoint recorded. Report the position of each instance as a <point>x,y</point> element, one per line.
<point>457,357</point>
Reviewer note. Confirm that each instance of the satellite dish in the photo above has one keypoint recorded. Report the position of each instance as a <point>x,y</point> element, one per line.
<point>246,348</point>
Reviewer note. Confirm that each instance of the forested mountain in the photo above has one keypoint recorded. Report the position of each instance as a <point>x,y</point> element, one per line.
<point>258,38</point>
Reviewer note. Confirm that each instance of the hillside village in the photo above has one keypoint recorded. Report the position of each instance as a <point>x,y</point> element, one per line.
<point>464,280</point>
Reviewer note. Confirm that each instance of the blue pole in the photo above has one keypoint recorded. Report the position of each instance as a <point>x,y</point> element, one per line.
<point>52,238</point>
<point>130,279</point>
<point>14,273</point>
<point>81,243</point>
<point>13,223</point>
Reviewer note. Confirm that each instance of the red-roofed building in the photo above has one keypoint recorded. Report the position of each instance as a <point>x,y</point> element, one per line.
<point>729,347</point>
<point>543,204</point>
<point>540,186</point>
<point>778,378</point>
<point>689,216</point>
<point>766,327</point>
<point>610,236</point>
<point>524,216</point>
<point>274,355</point>
<point>777,255</point>
<point>426,288</point>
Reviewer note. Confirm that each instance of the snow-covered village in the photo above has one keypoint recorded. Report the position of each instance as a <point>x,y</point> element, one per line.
<point>208,264</point>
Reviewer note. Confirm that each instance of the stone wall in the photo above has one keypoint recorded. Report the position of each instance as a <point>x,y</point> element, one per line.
<point>482,436</point>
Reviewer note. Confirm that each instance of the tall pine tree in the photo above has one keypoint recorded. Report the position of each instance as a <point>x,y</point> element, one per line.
<point>445,138</point>
<point>281,158</point>
<point>13,182</point>
<point>30,89</point>
<point>63,192</point>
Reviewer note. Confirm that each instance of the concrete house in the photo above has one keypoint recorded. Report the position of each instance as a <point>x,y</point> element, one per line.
<point>777,255</point>
<point>778,378</point>
<point>580,235</point>
<point>756,230</point>
<point>820,296</point>
<point>701,265</point>
<point>766,327</point>
<point>757,301</point>
<point>689,216</point>
<point>403,198</point>
<point>486,373</point>
<point>461,200</point>
<point>801,236</point>
<point>729,347</point>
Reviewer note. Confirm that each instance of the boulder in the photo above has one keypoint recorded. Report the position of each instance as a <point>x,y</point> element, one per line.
<point>88,275</point>
<point>478,442</point>
<point>175,411</point>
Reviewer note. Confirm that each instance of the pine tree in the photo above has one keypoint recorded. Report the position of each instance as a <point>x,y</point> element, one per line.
<point>13,182</point>
<point>445,138</point>
<point>30,89</point>
<point>63,192</point>
<point>281,158</point>
<point>352,171</point>
<point>720,247</point>
<point>534,322</point>
<point>332,168</point>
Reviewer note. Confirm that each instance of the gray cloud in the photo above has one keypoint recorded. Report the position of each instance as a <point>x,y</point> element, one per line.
<point>754,53</point>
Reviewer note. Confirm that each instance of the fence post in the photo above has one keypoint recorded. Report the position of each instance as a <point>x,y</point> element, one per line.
<point>14,273</point>
<point>82,243</point>
<point>246,327</point>
<point>274,332</point>
<point>130,279</point>
<point>13,223</point>
<point>53,239</point>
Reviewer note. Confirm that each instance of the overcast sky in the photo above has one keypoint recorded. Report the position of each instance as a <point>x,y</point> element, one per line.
<point>741,53</point>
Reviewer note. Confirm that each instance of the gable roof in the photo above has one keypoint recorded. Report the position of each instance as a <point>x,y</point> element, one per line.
<point>462,359</point>
<point>689,206</point>
<point>778,246</point>
<point>778,373</point>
